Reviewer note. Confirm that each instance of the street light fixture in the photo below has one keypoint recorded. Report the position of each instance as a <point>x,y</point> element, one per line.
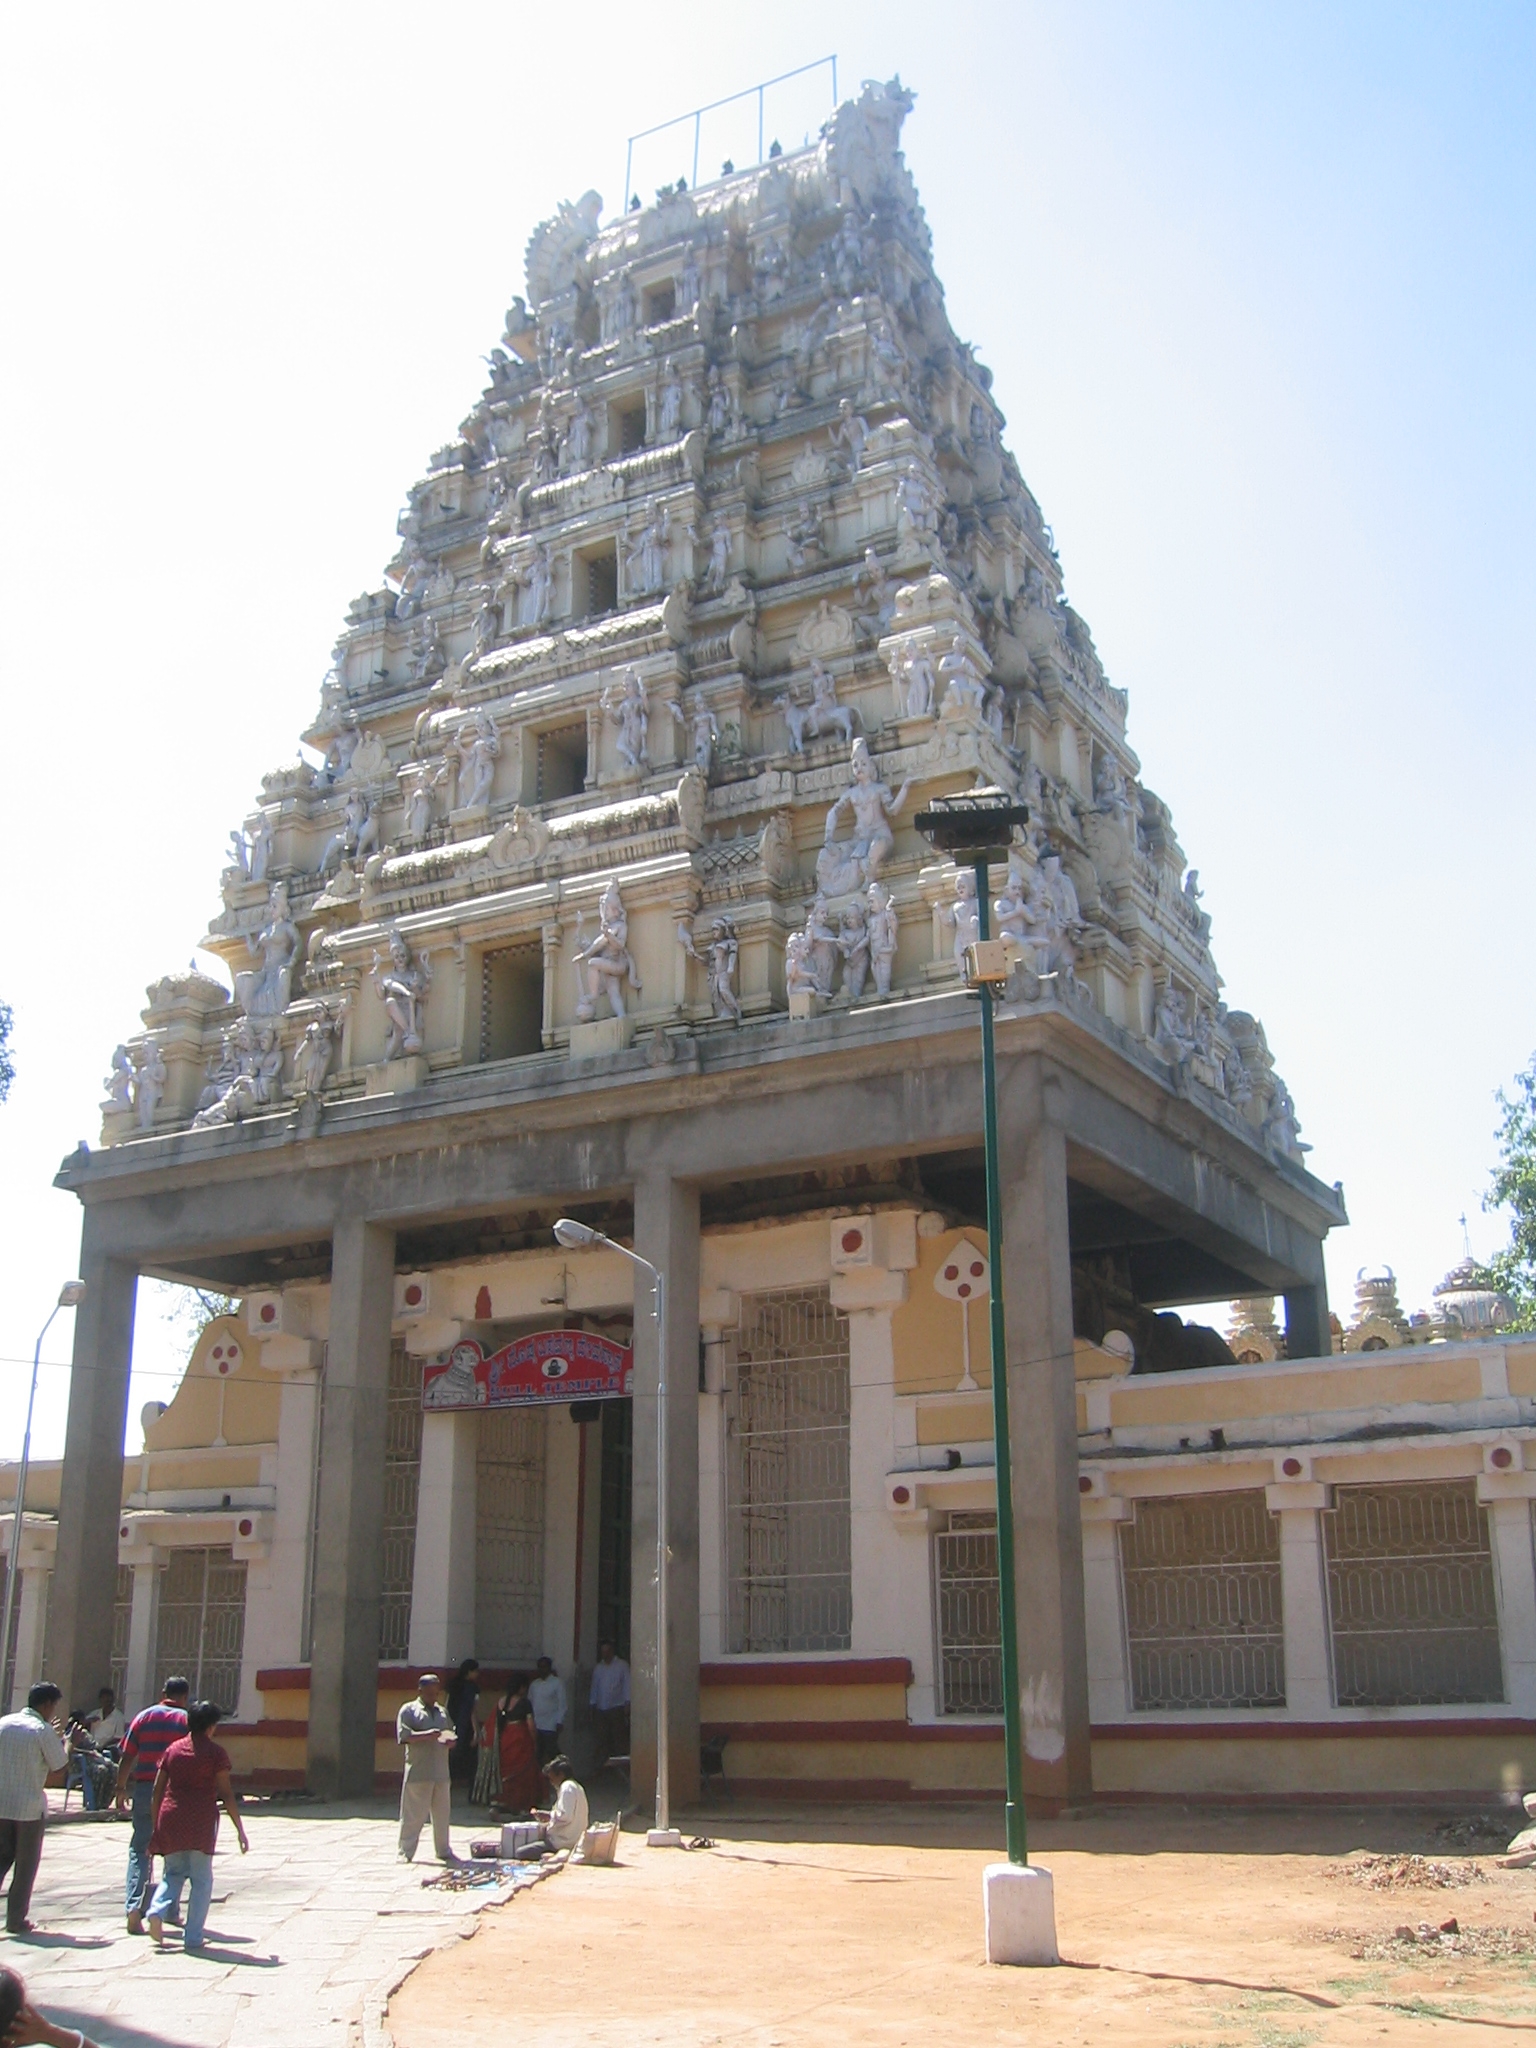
<point>71,1294</point>
<point>574,1236</point>
<point>976,827</point>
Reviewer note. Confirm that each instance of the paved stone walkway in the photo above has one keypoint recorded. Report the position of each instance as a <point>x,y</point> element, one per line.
<point>304,1933</point>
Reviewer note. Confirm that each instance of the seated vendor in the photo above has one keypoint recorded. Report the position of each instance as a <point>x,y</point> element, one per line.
<point>565,1822</point>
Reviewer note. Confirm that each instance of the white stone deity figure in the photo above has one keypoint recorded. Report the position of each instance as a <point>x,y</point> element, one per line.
<point>622,310</point>
<point>964,688</point>
<point>119,1083</point>
<point>263,991</point>
<point>853,945</point>
<point>419,810</point>
<point>538,580</point>
<point>689,283</point>
<point>578,436</point>
<point>414,586</point>
<point>918,684</point>
<point>704,730</point>
<point>871,805</point>
<point>358,837</point>
<point>850,433</point>
<point>915,508</point>
<point>962,914</point>
<point>1110,795</point>
<point>721,956</point>
<point>1055,921</point>
<point>996,707</point>
<point>338,756</point>
<point>260,840</point>
<point>669,403</point>
<point>825,713</point>
<point>645,564</point>
<point>888,363</point>
<point>604,964</point>
<point>881,926</point>
<point>312,1058</point>
<point>479,749</point>
<point>799,975</point>
<point>487,626</point>
<point>626,707</point>
<point>804,538</point>
<point>719,557</point>
<point>822,936</point>
<point>248,1077</point>
<point>718,414</point>
<point>1282,1124</point>
<point>150,1085</point>
<point>427,657</point>
<point>1236,1081</point>
<point>401,986</point>
<point>1172,1033</point>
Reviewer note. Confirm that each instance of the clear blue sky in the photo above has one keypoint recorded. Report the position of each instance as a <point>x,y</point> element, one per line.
<point>1256,285</point>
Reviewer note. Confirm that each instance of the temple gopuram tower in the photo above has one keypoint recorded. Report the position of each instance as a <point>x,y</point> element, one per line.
<point>595,891</point>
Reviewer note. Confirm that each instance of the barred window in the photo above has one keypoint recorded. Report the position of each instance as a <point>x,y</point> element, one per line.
<point>788,1564</point>
<point>1201,1580</point>
<point>509,1533</point>
<point>402,1484</point>
<point>200,1632</point>
<point>122,1622</point>
<point>968,1610</point>
<point>1411,1599</point>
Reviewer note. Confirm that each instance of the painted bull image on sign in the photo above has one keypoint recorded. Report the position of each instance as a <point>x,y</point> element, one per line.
<point>551,1365</point>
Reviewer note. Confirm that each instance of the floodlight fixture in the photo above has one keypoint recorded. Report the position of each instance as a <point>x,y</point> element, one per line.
<point>571,1234</point>
<point>973,824</point>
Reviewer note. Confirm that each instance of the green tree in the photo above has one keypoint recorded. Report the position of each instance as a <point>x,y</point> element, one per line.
<point>7,1060</point>
<point>1513,1188</point>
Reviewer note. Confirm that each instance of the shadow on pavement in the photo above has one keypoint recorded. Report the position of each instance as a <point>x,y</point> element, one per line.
<point>110,2033</point>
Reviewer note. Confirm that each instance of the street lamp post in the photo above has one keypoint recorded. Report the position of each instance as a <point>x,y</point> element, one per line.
<point>976,828</point>
<point>573,1235</point>
<point>71,1294</point>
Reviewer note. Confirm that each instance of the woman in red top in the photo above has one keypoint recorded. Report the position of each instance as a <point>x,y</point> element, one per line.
<point>193,1782</point>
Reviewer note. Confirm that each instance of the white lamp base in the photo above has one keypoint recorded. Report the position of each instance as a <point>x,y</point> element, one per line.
<point>663,1838</point>
<point>1020,1902</point>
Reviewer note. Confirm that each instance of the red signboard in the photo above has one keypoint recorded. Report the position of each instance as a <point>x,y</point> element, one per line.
<point>551,1365</point>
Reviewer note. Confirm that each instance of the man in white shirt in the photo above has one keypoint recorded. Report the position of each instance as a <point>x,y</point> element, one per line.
<point>546,1696</point>
<point>107,1725</point>
<point>566,1821</point>
<point>609,1699</point>
<point>424,1731</point>
<point>31,1746</point>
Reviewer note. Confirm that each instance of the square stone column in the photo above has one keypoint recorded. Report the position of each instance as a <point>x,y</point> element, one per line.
<point>1109,1678</point>
<point>140,1688</point>
<point>443,1581</point>
<point>1307,1334</point>
<point>1042,1427</point>
<point>1509,1525</point>
<point>1304,1598</point>
<point>666,1233</point>
<point>888,1596</point>
<point>91,1493</point>
<point>344,1664</point>
<point>31,1625</point>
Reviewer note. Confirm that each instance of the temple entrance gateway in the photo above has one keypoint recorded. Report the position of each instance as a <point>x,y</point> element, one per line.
<point>509,1535</point>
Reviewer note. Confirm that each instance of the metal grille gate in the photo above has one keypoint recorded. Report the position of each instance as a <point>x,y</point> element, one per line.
<point>969,1615</point>
<point>200,1634</point>
<point>1411,1596</point>
<point>1201,1579</point>
<point>122,1622</point>
<point>789,1570</point>
<point>402,1484</point>
<point>509,1534</point>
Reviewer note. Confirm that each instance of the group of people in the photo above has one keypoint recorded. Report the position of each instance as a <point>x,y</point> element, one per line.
<point>169,1773</point>
<point>509,1757</point>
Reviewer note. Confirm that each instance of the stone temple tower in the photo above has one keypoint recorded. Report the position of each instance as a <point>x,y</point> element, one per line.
<point>595,890</point>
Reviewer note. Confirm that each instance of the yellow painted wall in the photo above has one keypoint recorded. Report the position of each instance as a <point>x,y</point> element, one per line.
<point>1486,1764</point>
<point>1520,1360</point>
<point>1223,1396</point>
<point>251,1396</point>
<point>925,1330</point>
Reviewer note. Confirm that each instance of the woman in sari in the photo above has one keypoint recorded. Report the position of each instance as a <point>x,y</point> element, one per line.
<point>522,1781</point>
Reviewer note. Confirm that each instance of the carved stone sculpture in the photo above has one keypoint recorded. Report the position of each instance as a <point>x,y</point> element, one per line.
<point>881,928</point>
<point>916,509</point>
<point>962,915</point>
<point>626,707</point>
<point>645,564</point>
<point>119,1082</point>
<point>704,731</point>
<point>719,558</point>
<point>822,935</point>
<point>401,985</point>
<point>916,683</point>
<point>853,945</point>
<point>479,749</point>
<point>669,403</point>
<point>799,974</point>
<point>487,627</point>
<point>538,583</point>
<point>804,536</point>
<point>419,808</point>
<point>312,1058</point>
<point>247,1076</point>
<point>851,433</point>
<point>604,964</point>
<point>264,990</point>
<point>252,848</point>
<point>150,1085</point>
<point>721,957</point>
<point>857,862</point>
<point>1172,1032</point>
<point>964,688</point>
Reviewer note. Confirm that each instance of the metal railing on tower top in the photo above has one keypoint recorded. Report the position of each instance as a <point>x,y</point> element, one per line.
<point>696,116</point>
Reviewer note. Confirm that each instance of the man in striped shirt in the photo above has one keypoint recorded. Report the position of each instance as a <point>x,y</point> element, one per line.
<point>150,1735</point>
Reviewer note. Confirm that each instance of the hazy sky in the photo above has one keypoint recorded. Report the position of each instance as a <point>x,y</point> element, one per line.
<point>1256,286</point>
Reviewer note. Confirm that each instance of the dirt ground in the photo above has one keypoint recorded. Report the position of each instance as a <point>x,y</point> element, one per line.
<point>863,1927</point>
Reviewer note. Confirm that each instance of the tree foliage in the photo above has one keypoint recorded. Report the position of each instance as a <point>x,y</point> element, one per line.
<point>7,1060</point>
<point>1513,1188</point>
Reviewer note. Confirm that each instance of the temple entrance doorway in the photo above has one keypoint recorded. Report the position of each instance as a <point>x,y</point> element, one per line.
<point>509,1535</point>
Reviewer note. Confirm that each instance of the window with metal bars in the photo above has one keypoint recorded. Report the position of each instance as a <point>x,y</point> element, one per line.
<point>509,1533</point>
<point>788,1537</point>
<point>1203,1621</point>
<point>1411,1600</point>
<point>122,1622</point>
<point>200,1632</point>
<point>968,1615</point>
<point>402,1485</point>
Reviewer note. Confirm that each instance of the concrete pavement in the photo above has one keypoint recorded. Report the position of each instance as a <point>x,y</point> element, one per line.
<point>305,1937</point>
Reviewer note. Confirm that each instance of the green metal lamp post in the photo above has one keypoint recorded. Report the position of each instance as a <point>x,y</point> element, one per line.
<point>976,828</point>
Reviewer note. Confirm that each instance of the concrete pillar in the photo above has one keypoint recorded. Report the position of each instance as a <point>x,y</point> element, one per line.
<point>277,1587</point>
<point>666,1233</point>
<point>141,1685</point>
<point>1109,1678</point>
<point>92,1487</point>
<point>1306,1321</point>
<point>443,1580</point>
<point>1304,1597</point>
<point>344,1666</point>
<point>1509,1522</point>
<point>880,1588</point>
<point>562,1477</point>
<point>31,1629</point>
<point>1042,1397</point>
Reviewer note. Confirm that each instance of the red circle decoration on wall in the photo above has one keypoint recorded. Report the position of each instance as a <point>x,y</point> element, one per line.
<point>1084,1483</point>
<point>853,1240</point>
<point>1291,1467</point>
<point>246,1527</point>
<point>1503,1457</point>
<point>269,1311</point>
<point>901,1495</point>
<point>413,1296</point>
